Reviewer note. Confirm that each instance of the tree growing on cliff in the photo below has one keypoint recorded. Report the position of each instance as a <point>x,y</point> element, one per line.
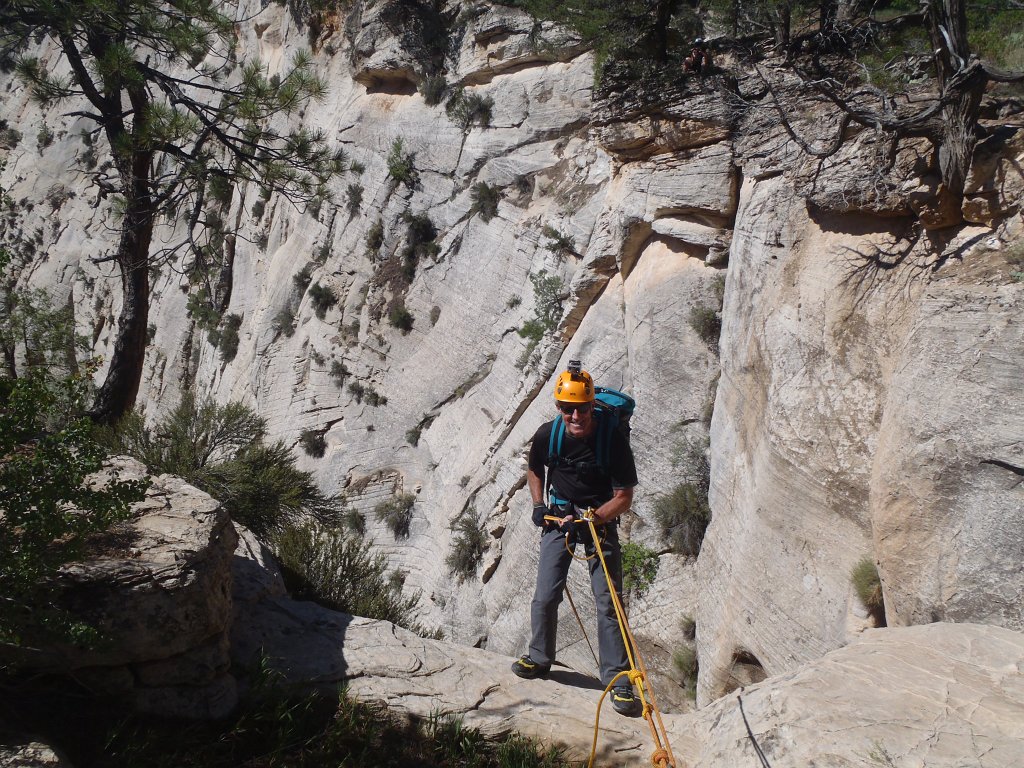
<point>158,80</point>
<point>947,115</point>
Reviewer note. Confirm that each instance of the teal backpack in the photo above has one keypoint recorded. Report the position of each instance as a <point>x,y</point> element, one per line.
<point>612,409</point>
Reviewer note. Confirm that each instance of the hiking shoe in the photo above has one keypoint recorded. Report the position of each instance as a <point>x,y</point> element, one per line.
<point>624,701</point>
<point>528,669</point>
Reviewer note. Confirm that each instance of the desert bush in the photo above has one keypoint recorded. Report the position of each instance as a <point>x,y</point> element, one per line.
<point>375,238</point>
<point>707,324</point>
<point>48,449</point>
<point>354,521</point>
<point>467,548</point>
<point>868,586</point>
<point>354,195</point>
<point>339,372</point>
<point>229,338</point>
<point>401,165</point>
<point>335,569</point>
<point>485,200</point>
<point>44,138</point>
<point>303,278</point>
<point>560,243</point>
<point>684,662</point>
<point>313,442</point>
<point>284,322</point>
<point>683,513</point>
<point>639,568</point>
<point>323,298</point>
<point>465,109</point>
<point>357,389</point>
<point>400,317</point>
<point>220,449</point>
<point>396,514</point>
<point>432,89</point>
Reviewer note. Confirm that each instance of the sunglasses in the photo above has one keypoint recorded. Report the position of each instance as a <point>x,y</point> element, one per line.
<point>569,408</point>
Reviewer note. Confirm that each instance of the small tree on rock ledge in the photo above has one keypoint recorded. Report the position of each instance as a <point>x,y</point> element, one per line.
<point>178,135</point>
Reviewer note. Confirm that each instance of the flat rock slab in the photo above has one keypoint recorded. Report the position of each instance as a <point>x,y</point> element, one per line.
<point>936,695</point>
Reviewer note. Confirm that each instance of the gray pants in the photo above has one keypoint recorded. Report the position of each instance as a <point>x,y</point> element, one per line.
<point>552,571</point>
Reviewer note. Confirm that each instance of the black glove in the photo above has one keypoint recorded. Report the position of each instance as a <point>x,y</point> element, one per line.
<point>539,510</point>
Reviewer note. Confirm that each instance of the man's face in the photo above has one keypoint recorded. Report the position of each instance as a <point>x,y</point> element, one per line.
<point>578,418</point>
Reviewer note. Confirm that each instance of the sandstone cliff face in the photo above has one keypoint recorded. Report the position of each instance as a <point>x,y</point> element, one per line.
<point>869,395</point>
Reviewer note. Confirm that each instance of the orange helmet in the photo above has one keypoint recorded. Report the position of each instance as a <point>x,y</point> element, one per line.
<point>574,385</point>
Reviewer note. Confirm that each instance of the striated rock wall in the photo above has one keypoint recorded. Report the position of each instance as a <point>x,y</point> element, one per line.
<point>868,402</point>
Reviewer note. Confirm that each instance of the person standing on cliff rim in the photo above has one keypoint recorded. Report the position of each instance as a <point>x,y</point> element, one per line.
<point>576,482</point>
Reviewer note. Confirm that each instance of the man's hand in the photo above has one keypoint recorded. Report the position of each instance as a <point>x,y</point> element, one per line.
<point>540,509</point>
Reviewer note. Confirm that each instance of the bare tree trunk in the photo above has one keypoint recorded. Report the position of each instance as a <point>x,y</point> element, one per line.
<point>117,394</point>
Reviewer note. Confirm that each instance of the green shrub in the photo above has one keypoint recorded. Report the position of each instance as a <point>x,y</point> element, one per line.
<point>284,322</point>
<point>220,449</point>
<point>683,515</point>
<point>354,198</point>
<point>465,109</point>
<point>467,549</point>
<point>356,389</point>
<point>48,449</point>
<point>684,661</point>
<point>354,521</point>
<point>374,398</point>
<point>400,317</point>
<point>485,200</point>
<point>412,436</point>
<point>560,243</point>
<point>375,238</point>
<point>44,138</point>
<point>303,278</point>
<point>313,442</point>
<point>323,298</point>
<point>336,570</point>
<point>868,586</point>
<point>707,323</point>
<point>396,514</point>
<point>639,568</point>
<point>258,207</point>
<point>432,89</point>
<point>401,165</point>
<point>229,338</point>
<point>339,372</point>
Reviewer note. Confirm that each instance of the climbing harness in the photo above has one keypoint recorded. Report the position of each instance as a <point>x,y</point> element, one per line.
<point>662,756</point>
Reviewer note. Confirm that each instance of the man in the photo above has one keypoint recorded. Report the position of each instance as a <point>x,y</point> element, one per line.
<point>576,481</point>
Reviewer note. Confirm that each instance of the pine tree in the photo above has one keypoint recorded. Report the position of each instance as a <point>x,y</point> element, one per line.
<point>183,123</point>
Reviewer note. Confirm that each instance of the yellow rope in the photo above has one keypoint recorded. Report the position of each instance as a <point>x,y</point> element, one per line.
<point>637,673</point>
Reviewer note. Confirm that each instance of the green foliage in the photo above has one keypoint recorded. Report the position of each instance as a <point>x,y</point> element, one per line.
<point>639,568</point>
<point>401,165</point>
<point>560,243</point>
<point>375,238</point>
<point>467,548</point>
<point>707,324</point>
<point>683,513</point>
<point>44,138</point>
<point>868,586</point>
<point>420,241</point>
<point>220,449</point>
<point>432,89</point>
<point>33,332</point>
<point>399,316</point>
<point>313,442</point>
<point>547,297</point>
<point>684,662</point>
<point>339,372</point>
<point>336,570</point>
<point>354,195</point>
<point>396,513</point>
<point>323,298</point>
<point>229,339</point>
<point>465,109</point>
<point>303,278</point>
<point>412,436</point>
<point>49,508</point>
<point>284,322</point>
<point>485,200</point>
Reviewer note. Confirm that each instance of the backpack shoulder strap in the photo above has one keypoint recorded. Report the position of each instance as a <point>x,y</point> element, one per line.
<point>555,440</point>
<point>605,426</point>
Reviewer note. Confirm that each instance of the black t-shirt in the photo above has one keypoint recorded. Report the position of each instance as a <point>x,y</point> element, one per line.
<point>577,476</point>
